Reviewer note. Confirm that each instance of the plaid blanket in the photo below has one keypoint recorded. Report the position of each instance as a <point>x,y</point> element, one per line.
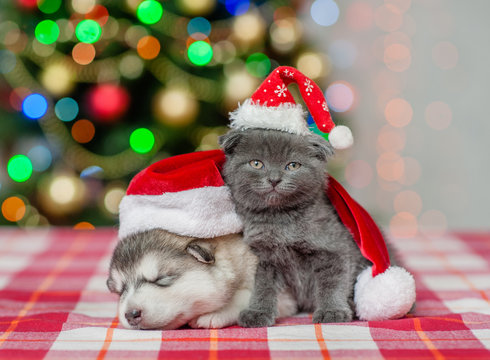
<point>54,305</point>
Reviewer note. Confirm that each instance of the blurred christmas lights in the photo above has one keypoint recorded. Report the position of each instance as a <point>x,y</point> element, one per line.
<point>142,140</point>
<point>88,61</point>
<point>149,12</point>
<point>148,47</point>
<point>19,168</point>
<point>66,109</point>
<point>13,208</point>
<point>83,53</point>
<point>258,65</point>
<point>48,6</point>
<point>88,31</point>
<point>340,96</point>
<point>40,157</point>
<point>7,61</point>
<point>34,106</point>
<point>325,12</point>
<point>83,131</point>
<point>199,25</point>
<point>47,32</point>
<point>200,53</point>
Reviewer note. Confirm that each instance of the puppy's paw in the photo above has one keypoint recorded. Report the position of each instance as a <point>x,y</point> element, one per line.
<point>332,315</point>
<point>255,318</point>
<point>211,321</point>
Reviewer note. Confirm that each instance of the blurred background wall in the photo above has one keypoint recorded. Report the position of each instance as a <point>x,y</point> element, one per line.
<point>416,75</point>
<point>93,91</point>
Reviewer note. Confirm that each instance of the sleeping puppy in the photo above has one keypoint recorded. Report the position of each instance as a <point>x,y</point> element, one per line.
<point>166,281</point>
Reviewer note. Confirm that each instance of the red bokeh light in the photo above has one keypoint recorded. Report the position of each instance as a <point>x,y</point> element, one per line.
<point>108,102</point>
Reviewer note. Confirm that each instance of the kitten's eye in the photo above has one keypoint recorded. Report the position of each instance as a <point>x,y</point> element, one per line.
<point>256,164</point>
<point>293,166</point>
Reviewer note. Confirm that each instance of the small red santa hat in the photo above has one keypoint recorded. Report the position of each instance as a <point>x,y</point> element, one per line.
<point>382,291</point>
<point>273,107</point>
<point>184,194</point>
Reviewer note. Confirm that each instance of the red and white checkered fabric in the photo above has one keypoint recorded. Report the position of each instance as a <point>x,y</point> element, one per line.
<point>54,305</point>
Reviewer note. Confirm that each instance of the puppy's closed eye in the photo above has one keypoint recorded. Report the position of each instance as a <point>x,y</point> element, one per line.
<point>165,280</point>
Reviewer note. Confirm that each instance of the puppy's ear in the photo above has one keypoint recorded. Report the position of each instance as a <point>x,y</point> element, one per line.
<point>319,147</point>
<point>229,141</point>
<point>111,285</point>
<point>201,251</point>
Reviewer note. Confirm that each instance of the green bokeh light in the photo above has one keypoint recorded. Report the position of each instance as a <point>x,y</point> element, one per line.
<point>149,12</point>
<point>88,31</point>
<point>142,140</point>
<point>200,53</point>
<point>19,168</point>
<point>48,6</point>
<point>258,65</point>
<point>47,32</point>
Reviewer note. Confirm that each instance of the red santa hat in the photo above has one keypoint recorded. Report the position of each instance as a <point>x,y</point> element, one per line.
<point>382,291</point>
<point>273,107</point>
<point>184,194</point>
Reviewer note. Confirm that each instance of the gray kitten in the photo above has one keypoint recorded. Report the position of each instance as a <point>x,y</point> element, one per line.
<point>278,182</point>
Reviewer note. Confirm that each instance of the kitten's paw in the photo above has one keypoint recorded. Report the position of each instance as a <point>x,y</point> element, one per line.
<point>210,321</point>
<point>255,318</point>
<point>332,315</point>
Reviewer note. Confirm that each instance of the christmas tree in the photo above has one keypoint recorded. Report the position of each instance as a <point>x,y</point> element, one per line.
<point>94,91</point>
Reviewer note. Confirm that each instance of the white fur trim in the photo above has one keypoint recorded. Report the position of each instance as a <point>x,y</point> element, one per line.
<point>285,117</point>
<point>204,212</point>
<point>389,295</point>
<point>340,137</point>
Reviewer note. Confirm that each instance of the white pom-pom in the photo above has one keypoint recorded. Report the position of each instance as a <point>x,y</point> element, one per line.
<point>340,137</point>
<point>389,295</point>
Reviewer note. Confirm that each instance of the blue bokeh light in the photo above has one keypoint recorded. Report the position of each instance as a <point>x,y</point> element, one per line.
<point>34,106</point>
<point>237,7</point>
<point>325,12</point>
<point>93,171</point>
<point>40,157</point>
<point>66,109</point>
<point>199,25</point>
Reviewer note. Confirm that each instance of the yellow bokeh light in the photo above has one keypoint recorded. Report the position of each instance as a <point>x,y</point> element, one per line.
<point>112,199</point>
<point>249,28</point>
<point>58,79</point>
<point>313,65</point>
<point>196,7</point>
<point>175,107</point>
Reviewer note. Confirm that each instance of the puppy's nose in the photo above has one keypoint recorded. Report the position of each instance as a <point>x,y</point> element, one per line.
<point>133,316</point>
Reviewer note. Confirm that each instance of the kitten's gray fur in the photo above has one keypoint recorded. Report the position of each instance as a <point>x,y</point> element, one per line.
<point>291,227</point>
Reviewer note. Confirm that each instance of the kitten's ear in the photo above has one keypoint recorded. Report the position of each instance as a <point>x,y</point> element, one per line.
<point>230,140</point>
<point>321,148</point>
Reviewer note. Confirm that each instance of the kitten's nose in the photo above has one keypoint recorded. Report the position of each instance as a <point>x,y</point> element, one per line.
<point>274,182</point>
<point>133,316</point>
